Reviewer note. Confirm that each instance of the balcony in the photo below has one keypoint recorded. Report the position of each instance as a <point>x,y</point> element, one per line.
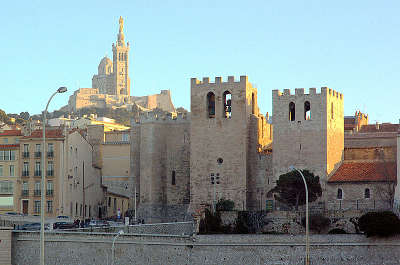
<point>50,173</point>
<point>25,173</point>
<point>25,154</point>
<point>37,193</point>
<point>49,193</point>
<point>25,193</point>
<point>50,154</point>
<point>38,173</point>
<point>38,154</point>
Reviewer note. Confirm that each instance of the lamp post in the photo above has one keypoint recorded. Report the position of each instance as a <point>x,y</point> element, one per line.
<point>214,181</point>
<point>60,90</point>
<point>307,261</point>
<point>121,232</point>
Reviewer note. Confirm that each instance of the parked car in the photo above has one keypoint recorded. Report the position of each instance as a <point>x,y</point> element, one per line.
<point>63,225</point>
<point>12,213</point>
<point>62,217</point>
<point>31,227</point>
<point>98,223</point>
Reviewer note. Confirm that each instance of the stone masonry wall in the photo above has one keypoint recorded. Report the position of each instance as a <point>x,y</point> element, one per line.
<point>314,142</point>
<point>80,248</point>
<point>220,137</point>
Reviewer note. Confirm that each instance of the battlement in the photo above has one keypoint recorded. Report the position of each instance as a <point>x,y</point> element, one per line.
<point>152,117</point>
<point>312,91</point>
<point>218,80</point>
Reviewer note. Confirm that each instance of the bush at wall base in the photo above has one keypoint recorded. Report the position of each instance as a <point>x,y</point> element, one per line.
<point>382,224</point>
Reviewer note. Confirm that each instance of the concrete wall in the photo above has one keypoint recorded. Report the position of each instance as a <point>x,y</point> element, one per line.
<point>80,248</point>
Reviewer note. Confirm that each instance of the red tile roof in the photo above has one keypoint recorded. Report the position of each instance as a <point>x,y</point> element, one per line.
<point>11,133</point>
<point>8,146</point>
<point>383,127</point>
<point>365,172</point>
<point>49,134</point>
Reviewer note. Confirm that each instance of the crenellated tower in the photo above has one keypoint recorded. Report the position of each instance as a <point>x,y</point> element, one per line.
<point>120,64</point>
<point>308,131</point>
<point>220,125</point>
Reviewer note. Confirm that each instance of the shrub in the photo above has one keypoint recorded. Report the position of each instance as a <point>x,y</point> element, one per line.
<point>225,205</point>
<point>241,224</point>
<point>382,224</point>
<point>317,222</point>
<point>211,224</point>
<point>337,231</point>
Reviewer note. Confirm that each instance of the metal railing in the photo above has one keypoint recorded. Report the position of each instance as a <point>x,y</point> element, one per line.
<point>37,193</point>
<point>38,154</point>
<point>50,193</point>
<point>25,193</point>
<point>50,173</point>
<point>25,173</point>
<point>38,173</point>
<point>25,154</point>
<point>50,154</point>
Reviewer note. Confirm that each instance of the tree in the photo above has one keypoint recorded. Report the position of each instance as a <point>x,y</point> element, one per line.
<point>225,205</point>
<point>4,118</point>
<point>379,224</point>
<point>290,188</point>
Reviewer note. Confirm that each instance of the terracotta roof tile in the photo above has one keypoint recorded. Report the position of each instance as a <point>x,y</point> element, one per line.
<point>11,133</point>
<point>365,172</point>
<point>49,134</point>
<point>8,146</point>
<point>384,127</point>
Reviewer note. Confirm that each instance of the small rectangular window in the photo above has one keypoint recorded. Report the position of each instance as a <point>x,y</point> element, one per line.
<point>173,181</point>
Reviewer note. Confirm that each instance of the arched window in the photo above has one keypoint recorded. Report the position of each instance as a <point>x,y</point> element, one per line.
<point>307,110</point>
<point>211,105</point>
<point>292,111</point>
<point>331,110</point>
<point>339,194</point>
<point>227,99</point>
<point>367,193</point>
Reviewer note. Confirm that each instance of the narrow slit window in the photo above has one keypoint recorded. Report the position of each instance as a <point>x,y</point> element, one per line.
<point>292,111</point>
<point>332,110</point>
<point>227,97</point>
<point>211,105</point>
<point>173,180</point>
<point>307,110</point>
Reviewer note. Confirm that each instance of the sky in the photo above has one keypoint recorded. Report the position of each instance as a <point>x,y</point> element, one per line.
<point>349,46</point>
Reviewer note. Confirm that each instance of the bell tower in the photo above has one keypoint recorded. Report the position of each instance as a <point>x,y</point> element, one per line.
<point>120,64</point>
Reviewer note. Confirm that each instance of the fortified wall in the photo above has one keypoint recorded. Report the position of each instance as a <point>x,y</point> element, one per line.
<point>160,152</point>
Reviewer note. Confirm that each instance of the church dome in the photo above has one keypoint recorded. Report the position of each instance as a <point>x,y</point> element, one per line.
<point>105,66</point>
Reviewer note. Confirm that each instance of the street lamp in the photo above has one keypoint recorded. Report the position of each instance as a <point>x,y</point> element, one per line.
<point>60,90</point>
<point>214,181</point>
<point>121,232</point>
<point>307,262</point>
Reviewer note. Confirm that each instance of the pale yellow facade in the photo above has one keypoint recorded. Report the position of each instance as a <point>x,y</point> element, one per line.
<point>9,170</point>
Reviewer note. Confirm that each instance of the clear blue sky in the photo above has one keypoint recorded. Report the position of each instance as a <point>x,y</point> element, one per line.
<point>350,46</point>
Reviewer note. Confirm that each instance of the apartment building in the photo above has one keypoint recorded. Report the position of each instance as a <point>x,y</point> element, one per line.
<point>31,171</point>
<point>82,191</point>
<point>9,169</point>
<point>115,171</point>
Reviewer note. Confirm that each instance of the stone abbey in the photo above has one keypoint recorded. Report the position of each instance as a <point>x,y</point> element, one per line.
<point>175,157</point>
